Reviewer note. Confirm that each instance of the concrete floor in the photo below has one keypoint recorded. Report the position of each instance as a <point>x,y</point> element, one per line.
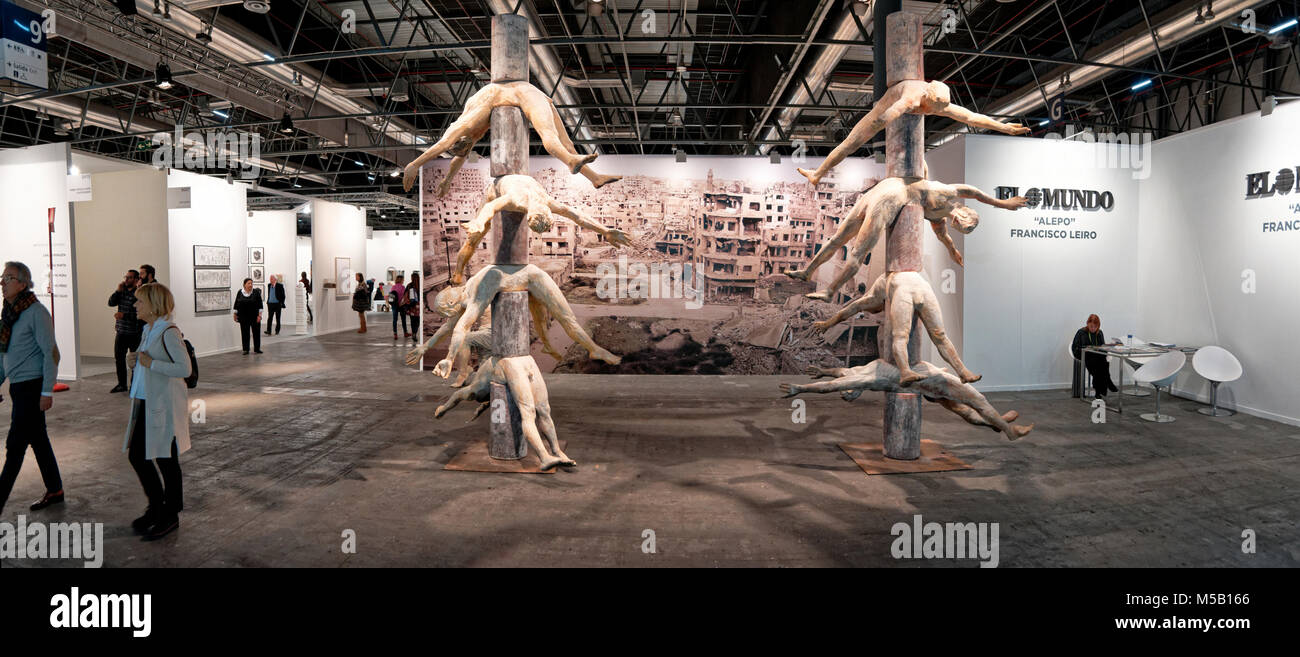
<point>330,433</point>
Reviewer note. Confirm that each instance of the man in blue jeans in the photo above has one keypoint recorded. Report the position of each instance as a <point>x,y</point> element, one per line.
<point>27,361</point>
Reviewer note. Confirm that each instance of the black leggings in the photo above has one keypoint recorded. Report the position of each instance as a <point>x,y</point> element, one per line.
<point>166,499</point>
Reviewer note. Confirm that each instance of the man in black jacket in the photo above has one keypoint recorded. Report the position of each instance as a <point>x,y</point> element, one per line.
<point>275,301</point>
<point>128,327</point>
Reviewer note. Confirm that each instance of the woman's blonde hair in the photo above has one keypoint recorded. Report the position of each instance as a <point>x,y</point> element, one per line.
<point>158,297</point>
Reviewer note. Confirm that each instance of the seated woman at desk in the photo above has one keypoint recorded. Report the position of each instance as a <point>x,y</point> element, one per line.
<point>1097,364</point>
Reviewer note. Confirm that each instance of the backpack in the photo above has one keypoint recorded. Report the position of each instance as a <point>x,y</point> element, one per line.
<point>191,381</point>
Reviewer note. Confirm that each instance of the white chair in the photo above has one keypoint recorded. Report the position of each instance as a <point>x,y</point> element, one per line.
<point>1131,370</point>
<point>1160,372</point>
<point>1217,365</point>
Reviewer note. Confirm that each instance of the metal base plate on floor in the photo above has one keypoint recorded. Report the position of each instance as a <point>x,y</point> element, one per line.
<point>1152,417</point>
<point>1137,392</point>
<point>1213,412</point>
<point>474,458</point>
<point>871,458</point>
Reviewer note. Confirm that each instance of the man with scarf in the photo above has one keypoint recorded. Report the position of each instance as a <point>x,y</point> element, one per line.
<point>27,361</point>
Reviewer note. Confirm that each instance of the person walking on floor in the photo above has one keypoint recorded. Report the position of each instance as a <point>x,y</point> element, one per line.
<point>411,305</point>
<point>159,429</point>
<point>306,291</point>
<point>275,302</point>
<point>361,300</point>
<point>248,313</point>
<point>27,353</point>
<point>396,301</point>
<point>127,326</point>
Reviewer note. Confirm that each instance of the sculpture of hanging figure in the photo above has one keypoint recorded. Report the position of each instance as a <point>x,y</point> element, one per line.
<point>900,294</point>
<point>935,384</point>
<point>519,193</point>
<point>450,303</point>
<point>477,294</point>
<point>476,120</point>
<point>908,97</point>
<point>877,209</point>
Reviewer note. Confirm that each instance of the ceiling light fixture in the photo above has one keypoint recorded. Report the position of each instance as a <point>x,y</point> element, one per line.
<point>162,76</point>
<point>286,124</point>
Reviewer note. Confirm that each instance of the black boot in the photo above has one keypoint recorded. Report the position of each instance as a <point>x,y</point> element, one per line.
<point>141,525</point>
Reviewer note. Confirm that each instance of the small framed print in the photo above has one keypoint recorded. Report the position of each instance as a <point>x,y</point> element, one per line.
<point>258,274</point>
<point>256,255</point>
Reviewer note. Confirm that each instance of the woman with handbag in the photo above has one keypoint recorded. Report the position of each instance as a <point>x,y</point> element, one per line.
<point>159,429</point>
<point>361,300</point>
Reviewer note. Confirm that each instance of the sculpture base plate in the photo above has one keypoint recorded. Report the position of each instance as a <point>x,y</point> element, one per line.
<point>474,458</point>
<point>871,458</point>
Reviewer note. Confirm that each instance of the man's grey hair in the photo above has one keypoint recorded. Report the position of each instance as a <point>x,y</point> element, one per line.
<point>24,274</point>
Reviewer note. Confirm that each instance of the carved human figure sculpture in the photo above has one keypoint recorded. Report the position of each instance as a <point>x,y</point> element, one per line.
<point>460,153</point>
<point>450,303</point>
<point>935,384</point>
<point>521,375</point>
<point>479,291</point>
<point>907,97</point>
<point>878,207</point>
<point>519,193</point>
<point>476,120</point>
<point>900,294</point>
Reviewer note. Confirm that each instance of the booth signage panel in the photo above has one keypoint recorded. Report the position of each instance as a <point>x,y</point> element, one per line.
<point>22,47</point>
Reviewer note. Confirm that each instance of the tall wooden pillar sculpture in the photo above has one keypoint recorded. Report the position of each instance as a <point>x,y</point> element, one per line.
<point>509,232</point>
<point>905,158</point>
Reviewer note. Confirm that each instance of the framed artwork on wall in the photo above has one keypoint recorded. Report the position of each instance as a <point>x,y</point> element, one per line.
<point>211,278</point>
<point>344,278</point>
<point>211,256</point>
<point>256,255</point>
<point>209,301</point>
<point>258,274</point>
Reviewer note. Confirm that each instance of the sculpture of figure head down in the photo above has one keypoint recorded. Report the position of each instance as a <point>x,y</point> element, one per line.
<point>450,301</point>
<point>938,95</point>
<point>965,219</point>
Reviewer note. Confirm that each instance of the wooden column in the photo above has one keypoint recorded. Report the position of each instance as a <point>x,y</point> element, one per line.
<point>509,232</point>
<point>904,157</point>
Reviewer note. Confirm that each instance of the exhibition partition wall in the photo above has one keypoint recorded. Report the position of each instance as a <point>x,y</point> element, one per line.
<point>1033,276</point>
<point>208,246</point>
<point>1219,236</point>
<point>32,182</point>
<point>122,226</point>
<point>389,251</point>
<point>273,250</point>
<point>338,250</point>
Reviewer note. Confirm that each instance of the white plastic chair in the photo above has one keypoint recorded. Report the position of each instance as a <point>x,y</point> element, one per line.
<point>1217,365</point>
<point>1131,370</point>
<point>1160,373</point>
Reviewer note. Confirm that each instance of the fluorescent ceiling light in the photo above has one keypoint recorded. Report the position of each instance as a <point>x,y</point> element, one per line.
<point>1283,26</point>
<point>1142,85</point>
<point>220,114</point>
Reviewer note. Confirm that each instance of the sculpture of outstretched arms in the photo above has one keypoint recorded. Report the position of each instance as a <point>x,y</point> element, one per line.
<point>977,120</point>
<point>968,191</point>
<point>941,232</point>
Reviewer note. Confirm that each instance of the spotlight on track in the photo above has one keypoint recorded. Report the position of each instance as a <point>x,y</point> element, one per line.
<point>1209,10</point>
<point>681,156</point>
<point>1200,17</point>
<point>595,7</point>
<point>258,6</point>
<point>162,76</point>
<point>286,125</point>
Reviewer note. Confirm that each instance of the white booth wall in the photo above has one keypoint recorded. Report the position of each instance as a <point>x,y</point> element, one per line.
<point>396,249</point>
<point>123,226</point>
<point>338,231</point>
<point>1024,297</point>
<point>216,217</point>
<point>32,180</point>
<point>276,231</point>
<point>1204,243</point>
